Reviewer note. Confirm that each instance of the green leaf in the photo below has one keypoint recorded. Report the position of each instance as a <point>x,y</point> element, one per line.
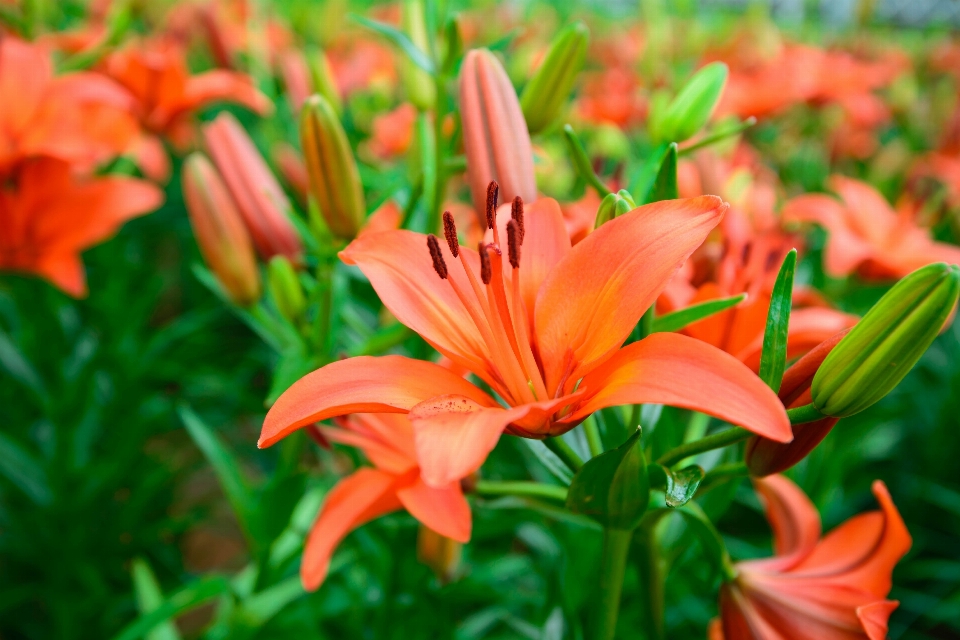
<point>19,467</point>
<point>400,39</point>
<point>665,185</point>
<point>549,460</point>
<point>773,358</point>
<point>646,175</point>
<point>677,320</point>
<point>719,135</point>
<point>18,367</point>
<point>712,543</point>
<point>578,155</point>
<point>149,597</point>
<point>258,609</point>
<point>613,488</point>
<point>225,465</point>
<point>180,602</point>
<point>679,486</point>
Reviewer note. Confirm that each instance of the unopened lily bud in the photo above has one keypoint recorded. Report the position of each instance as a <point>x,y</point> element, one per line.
<point>692,107</point>
<point>417,82</point>
<point>879,351</point>
<point>613,205</point>
<point>764,456</point>
<point>284,287</point>
<point>495,136</point>
<point>255,191</point>
<point>551,83</point>
<point>321,76</point>
<point>439,553</point>
<point>220,231</point>
<point>331,168</point>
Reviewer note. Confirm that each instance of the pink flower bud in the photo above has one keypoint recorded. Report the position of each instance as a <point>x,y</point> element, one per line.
<point>220,231</point>
<point>254,190</point>
<point>495,136</point>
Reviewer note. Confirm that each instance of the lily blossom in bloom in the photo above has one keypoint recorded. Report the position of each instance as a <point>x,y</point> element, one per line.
<point>167,96</point>
<point>82,118</point>
<point>867,235</point>
<point>544,330</point>
<point>48,216</point>
<point>830,588</point>
<point>393,483</point>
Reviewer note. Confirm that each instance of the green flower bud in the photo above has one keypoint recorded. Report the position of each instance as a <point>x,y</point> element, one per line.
<point>693,106</point>
<point>613,488</point>
<point>321,76</point>
<point>417,82</point>
<point>551,83</point>
<point>284,287</point>
<point>613,205</point>
<point>332,171</point>
<point>879,351</point>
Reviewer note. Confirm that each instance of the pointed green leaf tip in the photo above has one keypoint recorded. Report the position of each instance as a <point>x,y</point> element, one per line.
<point>882,348</point>
<point>613,488</point>
<point>773,356</point>
<point>692,107</point>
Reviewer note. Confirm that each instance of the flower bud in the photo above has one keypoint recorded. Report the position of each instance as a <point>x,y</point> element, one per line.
<point>613,205</point>
<point>764,456</point>
<point>331,168</point>
<point>879,351</point>
<point>219,230</point>
<point>495,136</point>
<point>416,81</point>
<point>613,488</point>
<point>256,193</point>
<point>439,553</point>
<point>284,287</point>
<point>551,83</point>
<point>693,106</point>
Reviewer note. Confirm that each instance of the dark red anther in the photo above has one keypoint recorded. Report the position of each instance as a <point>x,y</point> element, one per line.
<point>486,273</point>
<point>450,233</point>
<point>493,192</point>
<point>438,263</point>
<point>513,243</point>
<point>516,213</point>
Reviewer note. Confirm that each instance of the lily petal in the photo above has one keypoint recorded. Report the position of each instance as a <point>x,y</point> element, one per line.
<point>594,297</point>
<point>366,384</point>
<point>874,618</point>
<point>793,518</point>
<point>443,509</point>
<point>356,499</point>
<point>671,369</point>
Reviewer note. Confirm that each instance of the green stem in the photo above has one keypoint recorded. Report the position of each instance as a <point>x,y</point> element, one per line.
<point>715,441</point>
<point>592,431</point>
<point>720,474</point>
<point>616,545</point>
<point>521,488</point>
<point>651,567</point>
<point>564,452</point>
<point>806,413</point>
<point>717,136</point>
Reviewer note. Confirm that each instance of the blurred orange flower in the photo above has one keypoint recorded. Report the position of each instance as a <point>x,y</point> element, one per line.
<point>393,131</point>
<point>545,335</point>
<point>829,588</point>
<point>82,118</point>
<point>867,235</point>
<point>48,217</point>
<point>394,483</point>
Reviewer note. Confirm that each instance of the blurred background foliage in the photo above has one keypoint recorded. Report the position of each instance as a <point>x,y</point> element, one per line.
<point>129,478</point>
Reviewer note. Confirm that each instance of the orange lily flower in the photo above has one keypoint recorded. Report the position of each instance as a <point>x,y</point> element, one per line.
<point>866,235</point>
<point>393,483</point>
<point>745,258</point>
<point>48,216</point>
<point>82,118</point>
<point>833,588</point>
<point>167,96</point>
<point>392,132</point>
<point>544,332</point>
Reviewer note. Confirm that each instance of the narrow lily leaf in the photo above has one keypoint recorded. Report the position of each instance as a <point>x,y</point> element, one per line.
<point>646,175</point>
<point>581,162</point>
<point>550,460</point>
<point>259,608</point>
<point>18,367</point>
<point>677,320</point>
<point>679,486</point>
<point>718,135</point>
<point>613,488</point>
<point>149,597</point>
<point>400,39</point>
<point>225,465</point>
<point>178,603</point>
<point>665,186</point>
<point>773,357</point>
<point>19,467</point>
<point>712,543</point>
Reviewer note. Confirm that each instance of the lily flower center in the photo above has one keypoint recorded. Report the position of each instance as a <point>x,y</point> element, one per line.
<point>500,318</point>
